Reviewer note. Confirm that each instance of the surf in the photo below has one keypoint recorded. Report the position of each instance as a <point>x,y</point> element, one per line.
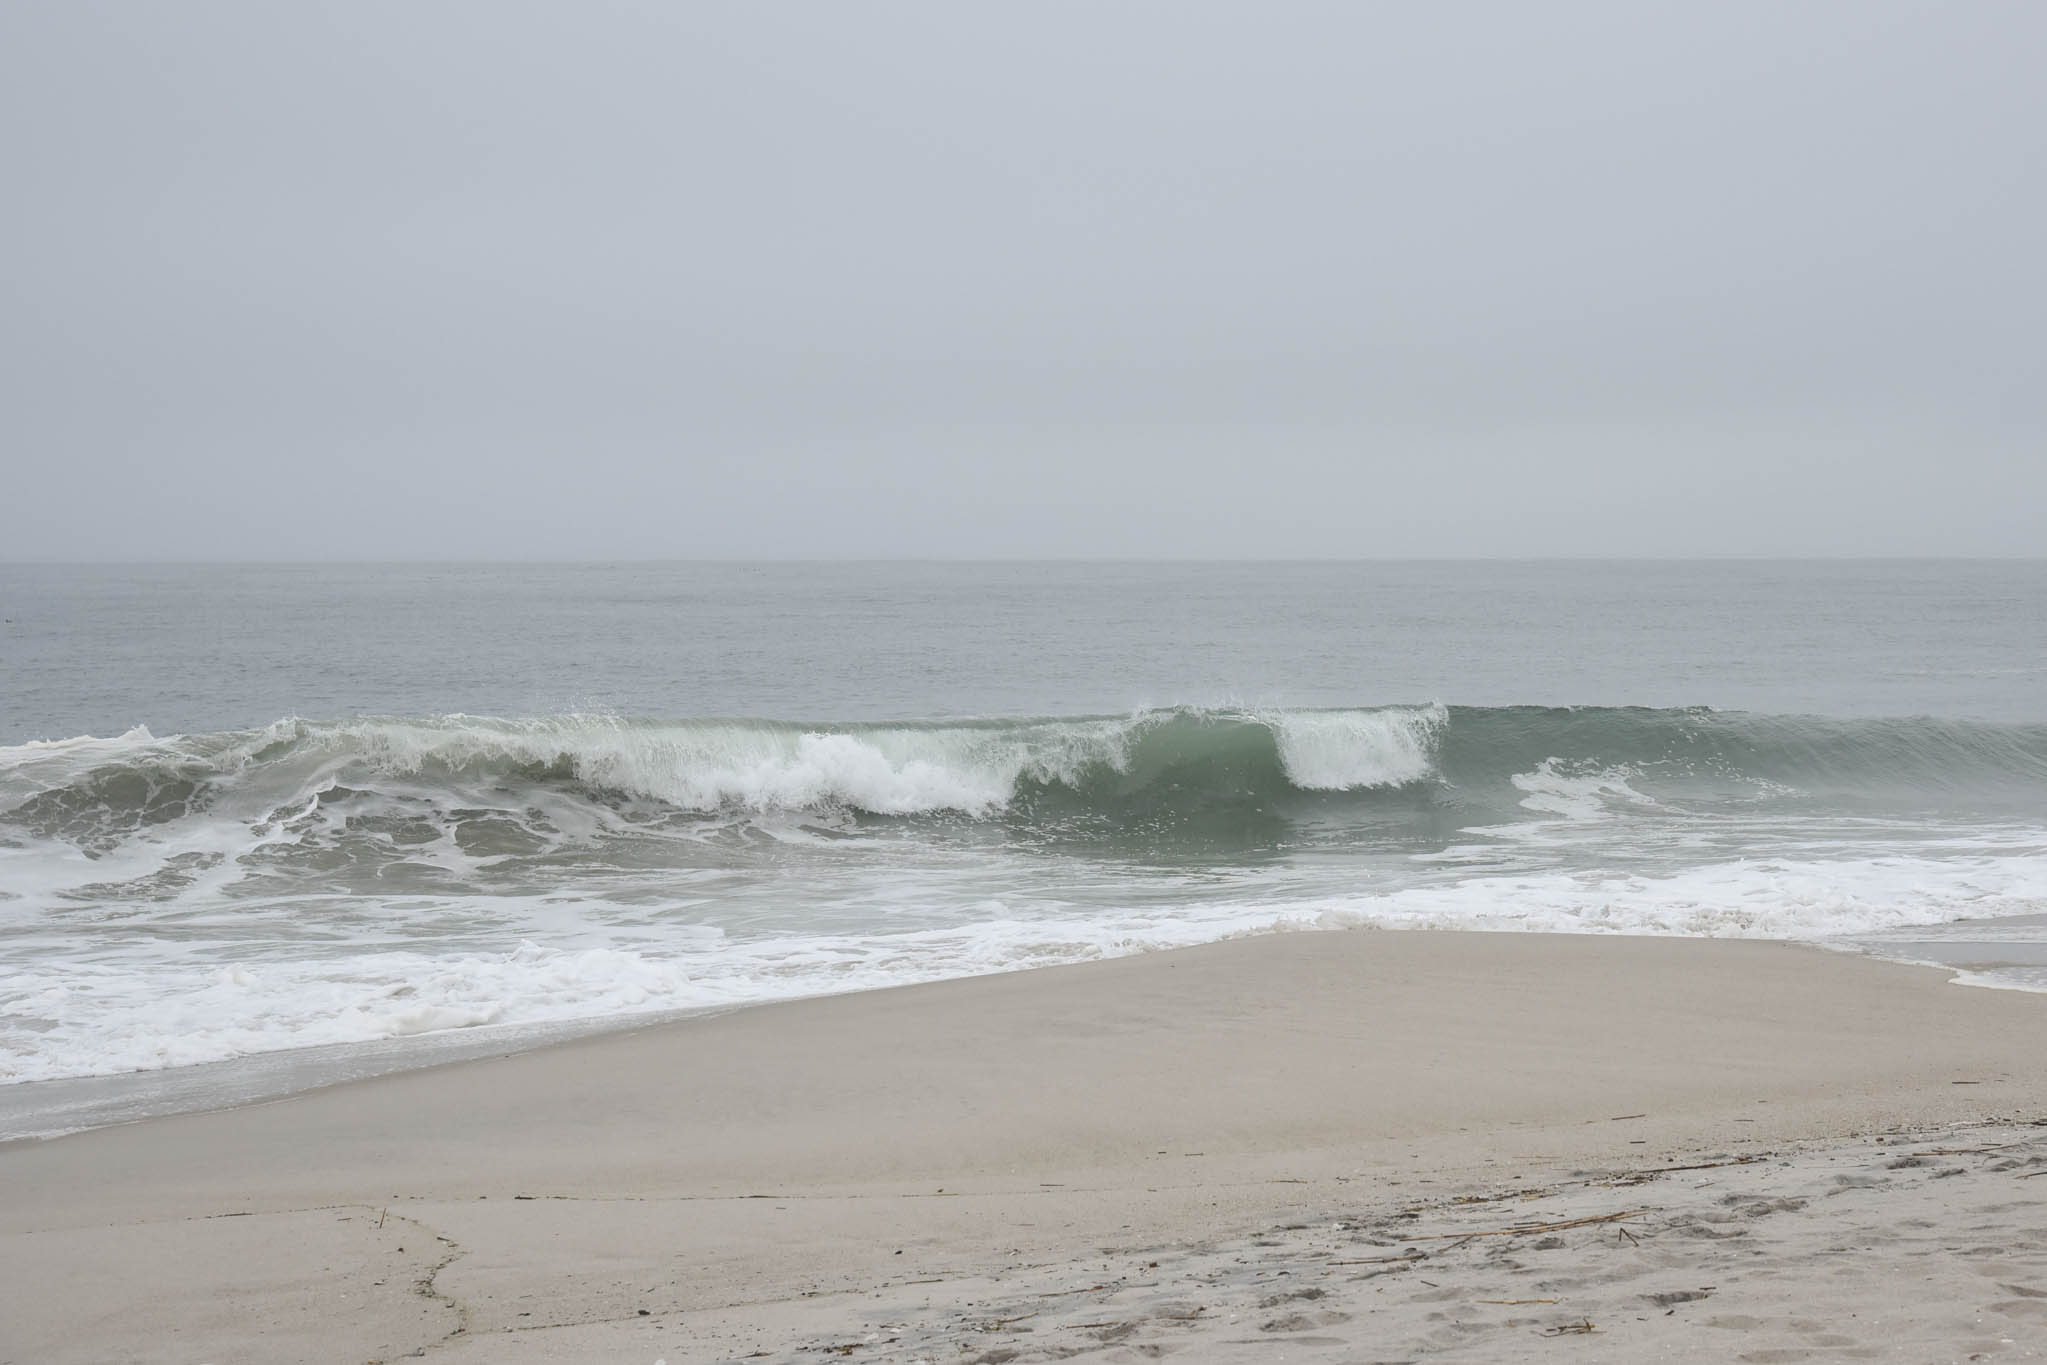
<point>173,899</point>
<point>96,793</point>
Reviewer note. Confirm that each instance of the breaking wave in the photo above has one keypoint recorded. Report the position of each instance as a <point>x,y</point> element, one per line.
<point>95,793</point>
<point>171,900</point>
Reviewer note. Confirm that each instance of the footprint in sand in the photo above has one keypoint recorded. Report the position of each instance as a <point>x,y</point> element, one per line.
<point>1304,1322</point>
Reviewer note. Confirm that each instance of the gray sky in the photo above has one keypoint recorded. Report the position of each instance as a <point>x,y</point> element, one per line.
<point>498,279</point>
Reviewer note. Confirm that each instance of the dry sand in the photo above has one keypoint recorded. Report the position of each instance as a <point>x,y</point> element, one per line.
<point>1271,1149</point>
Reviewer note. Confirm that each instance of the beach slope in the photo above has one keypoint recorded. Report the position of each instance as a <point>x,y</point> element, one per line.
<point>872,1171</point>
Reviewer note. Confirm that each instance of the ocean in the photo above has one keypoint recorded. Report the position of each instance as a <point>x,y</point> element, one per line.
<point>251,810</point>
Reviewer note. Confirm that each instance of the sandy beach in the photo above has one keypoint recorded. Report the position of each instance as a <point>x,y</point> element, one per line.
<point>1348,1146</point>
<point>697,684</point>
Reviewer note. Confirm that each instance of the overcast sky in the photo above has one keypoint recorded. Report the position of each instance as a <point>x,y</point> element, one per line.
<point>434,280</point>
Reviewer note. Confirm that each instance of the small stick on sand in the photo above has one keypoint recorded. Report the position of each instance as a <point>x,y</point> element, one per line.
<point>1701,1166</point>
<point>1571,1329</point>
<point>1384,1260</point>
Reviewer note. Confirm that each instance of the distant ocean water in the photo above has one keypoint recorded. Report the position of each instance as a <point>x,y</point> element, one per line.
<point>253,808</point>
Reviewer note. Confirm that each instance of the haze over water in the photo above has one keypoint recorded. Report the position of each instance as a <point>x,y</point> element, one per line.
<point>100,648</point>
<point>346,803</point>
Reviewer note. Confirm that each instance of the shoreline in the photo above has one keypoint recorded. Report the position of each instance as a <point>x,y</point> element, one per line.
<point>758,1162</point>
<point>36,1111</point>
<point>61,1106</point>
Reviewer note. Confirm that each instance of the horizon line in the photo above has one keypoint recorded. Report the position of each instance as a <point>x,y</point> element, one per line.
<point>451,561</point>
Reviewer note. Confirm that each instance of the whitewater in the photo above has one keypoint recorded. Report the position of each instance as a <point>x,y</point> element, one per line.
<point>191,898</point>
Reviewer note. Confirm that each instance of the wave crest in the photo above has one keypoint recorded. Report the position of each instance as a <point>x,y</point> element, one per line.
<point>1503,763</point>
<point>972,767</point>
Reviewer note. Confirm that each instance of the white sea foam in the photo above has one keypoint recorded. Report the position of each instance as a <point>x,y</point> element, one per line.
<point>68,1018</point>
<point>76,744</point>
<point>1577,790</point>
<point>79,1019</point>
<point>1347,750</point>
<point>1798,899</point>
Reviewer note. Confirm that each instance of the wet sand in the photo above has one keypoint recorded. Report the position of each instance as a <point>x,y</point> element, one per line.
<point>972,1168</point>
